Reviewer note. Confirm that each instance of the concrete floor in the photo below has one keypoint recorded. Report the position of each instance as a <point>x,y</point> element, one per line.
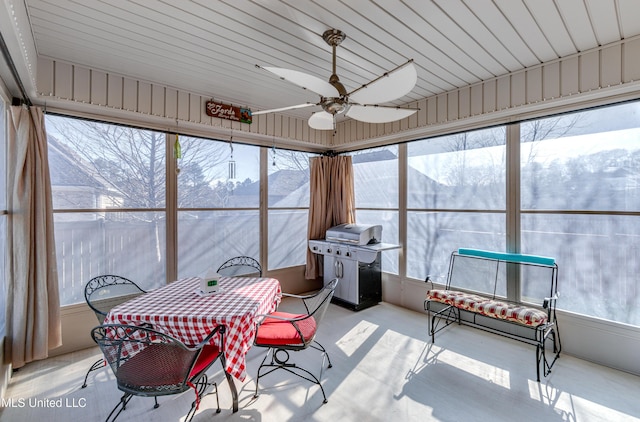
<point>384,369</point>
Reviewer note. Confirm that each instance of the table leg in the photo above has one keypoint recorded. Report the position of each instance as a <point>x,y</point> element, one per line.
<point>234,392</point>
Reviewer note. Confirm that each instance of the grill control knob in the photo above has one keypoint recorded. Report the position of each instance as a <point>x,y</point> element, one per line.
<point>347,253</point>
<point>329,250</point>
<point>338,252</point>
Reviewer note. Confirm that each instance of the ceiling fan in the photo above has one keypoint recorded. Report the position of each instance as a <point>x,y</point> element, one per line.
<point>361,103</point>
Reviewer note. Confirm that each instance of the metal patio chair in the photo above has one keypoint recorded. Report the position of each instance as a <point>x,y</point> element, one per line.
<point>103,293</point>
<point>150,363</point>
<point>282,332</point>
<point>240,266</point>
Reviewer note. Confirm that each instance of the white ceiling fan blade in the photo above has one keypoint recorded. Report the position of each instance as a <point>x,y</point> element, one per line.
<point>378,114</point>
<point>388,87</point>
<point>304,80</point>
<point>275,110</point>
<point>321,121</point>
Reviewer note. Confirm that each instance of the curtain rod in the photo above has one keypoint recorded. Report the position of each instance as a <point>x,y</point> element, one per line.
<point>14,72</point>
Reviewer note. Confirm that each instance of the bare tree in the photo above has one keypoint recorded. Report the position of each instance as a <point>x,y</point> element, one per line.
<point>282,159</point>
<point>541,129</point>
<point>132,162</point>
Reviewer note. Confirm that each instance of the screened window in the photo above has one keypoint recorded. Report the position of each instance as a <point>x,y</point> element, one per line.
<point>455,198</point>
<point>288,188</point>
<point>376,187</point>
<point>218,204</point>
<point>580,204</point>
<point>3,213</point>
<point>108,188</point>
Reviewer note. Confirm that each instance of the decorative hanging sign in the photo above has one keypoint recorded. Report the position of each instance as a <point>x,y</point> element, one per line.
<point>225,111</point>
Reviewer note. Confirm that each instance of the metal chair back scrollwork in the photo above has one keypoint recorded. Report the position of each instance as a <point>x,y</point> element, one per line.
<point>240,266</point>
<point>150,363</point>
<point>103,293</point>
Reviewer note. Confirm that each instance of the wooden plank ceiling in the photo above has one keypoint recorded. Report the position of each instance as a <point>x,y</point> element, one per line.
<point>211,47</point>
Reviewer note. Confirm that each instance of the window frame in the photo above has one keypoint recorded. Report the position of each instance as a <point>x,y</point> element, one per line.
<point>4,212</point>
<point>513,212</point>
<point>275,156</point>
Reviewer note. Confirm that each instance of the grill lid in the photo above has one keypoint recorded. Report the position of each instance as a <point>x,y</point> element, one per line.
<point>355,234</point>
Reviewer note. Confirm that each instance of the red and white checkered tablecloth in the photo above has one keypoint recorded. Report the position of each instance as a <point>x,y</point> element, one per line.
<point>177,310</point>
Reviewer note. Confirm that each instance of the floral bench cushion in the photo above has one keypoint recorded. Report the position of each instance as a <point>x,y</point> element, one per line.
<point>490,307</point>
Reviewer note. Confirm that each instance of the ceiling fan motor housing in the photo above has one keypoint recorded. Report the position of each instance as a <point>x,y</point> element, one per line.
<point>334,105</point>
<point>333,37</point>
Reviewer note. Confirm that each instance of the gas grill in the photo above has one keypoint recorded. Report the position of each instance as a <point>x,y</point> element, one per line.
<point>352,254</point>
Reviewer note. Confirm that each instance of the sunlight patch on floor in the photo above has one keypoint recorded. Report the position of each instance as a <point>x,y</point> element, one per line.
<point>478,368</point>
<point>571,406</point>
<point>353,339</point>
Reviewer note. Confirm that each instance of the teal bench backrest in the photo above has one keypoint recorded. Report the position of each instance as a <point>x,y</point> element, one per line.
<point>509,257</point>
<point>486,272</point>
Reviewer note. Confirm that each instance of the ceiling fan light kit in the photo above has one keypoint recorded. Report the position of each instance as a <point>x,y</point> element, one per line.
<point>321,121</point>
<point>361,104</point>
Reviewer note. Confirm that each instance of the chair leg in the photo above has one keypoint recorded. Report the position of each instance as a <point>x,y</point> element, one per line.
<point>270,350</point>
<point>215,386</point>
<point>279,363</point>
<point>96,365</point>
<point>321,348</point>
<point>201,387</point>
<point>122,404</point>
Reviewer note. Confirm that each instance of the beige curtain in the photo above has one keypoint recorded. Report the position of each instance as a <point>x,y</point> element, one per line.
<point>332,202</point>
<point>33,306</point>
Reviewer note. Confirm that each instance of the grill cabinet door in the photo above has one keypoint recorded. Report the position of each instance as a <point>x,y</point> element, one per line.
<point>347,271</point>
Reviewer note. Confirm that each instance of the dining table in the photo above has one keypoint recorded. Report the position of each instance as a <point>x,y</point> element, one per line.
<point>180,309</point>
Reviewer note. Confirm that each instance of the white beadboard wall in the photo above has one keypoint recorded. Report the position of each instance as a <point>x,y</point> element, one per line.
<point>606,74</point>
<point>594,77</point>
<point>90,90</point>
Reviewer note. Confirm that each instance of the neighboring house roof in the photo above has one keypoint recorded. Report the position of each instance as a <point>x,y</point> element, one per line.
<point>379,179</point>
<point>286,187</point>
<point>373,156</point>
<point>65,171</point>
<point>298,197</point>
<point>376,173</point>
<point>283,182</point>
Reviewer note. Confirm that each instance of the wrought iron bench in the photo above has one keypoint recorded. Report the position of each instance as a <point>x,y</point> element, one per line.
<point>477,294</point>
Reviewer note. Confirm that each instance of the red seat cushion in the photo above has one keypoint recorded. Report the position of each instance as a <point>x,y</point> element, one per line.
<point>278,332</point>
<point>490,307</point>
<point>209,354</point>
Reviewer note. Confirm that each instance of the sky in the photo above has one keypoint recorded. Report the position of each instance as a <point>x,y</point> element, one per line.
<point>437,165</point>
